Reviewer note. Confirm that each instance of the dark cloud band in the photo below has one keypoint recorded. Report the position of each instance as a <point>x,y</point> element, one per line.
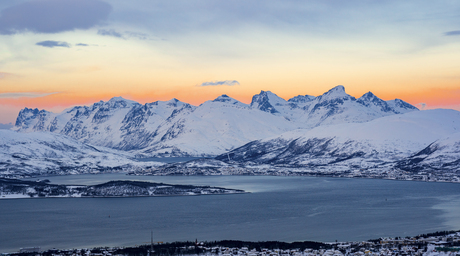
<point>53,16</point>
<point>217,83</point>
<point>453,33</point>
<point>52,44</point>
<point>109,32</point>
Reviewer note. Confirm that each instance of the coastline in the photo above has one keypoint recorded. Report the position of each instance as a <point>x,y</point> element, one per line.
<point>437,243</point>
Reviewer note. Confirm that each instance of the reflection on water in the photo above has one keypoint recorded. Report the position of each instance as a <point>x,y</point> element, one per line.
<point>450,207</point>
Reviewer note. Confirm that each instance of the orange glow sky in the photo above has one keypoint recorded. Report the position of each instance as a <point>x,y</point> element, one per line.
<point>154,50</point>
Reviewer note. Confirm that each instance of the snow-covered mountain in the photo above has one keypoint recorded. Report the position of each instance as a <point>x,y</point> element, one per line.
<point>175,128</point>
<point>333,107</point>
<point>353,145</point>
<point>117,123</point>
<point>214,127</point>
<point>441,155</point>
<point>44,153</point>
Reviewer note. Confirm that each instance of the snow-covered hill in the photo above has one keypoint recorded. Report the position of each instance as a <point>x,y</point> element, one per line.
<point>215,127</point>
<point>174,128</point>
<point>353,145</point>
<point>44,153</point>
<point>441,155</point>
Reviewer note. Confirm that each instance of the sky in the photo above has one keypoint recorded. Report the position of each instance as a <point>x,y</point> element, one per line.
<point>55,54</point>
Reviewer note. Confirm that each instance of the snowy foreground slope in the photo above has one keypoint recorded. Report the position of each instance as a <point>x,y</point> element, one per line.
<point>174,128</point>
<point>363,145</point>
<point>41,153</point>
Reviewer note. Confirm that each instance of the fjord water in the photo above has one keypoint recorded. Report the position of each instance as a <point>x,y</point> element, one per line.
<point>278,208</point>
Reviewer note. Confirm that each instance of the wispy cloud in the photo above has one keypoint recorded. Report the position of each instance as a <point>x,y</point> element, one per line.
<point>3,75</point>
<point>51,44</point>
<point>140,36</point>
<point>109,32</point>
<point>453,33</point>
<point>124,35</point>
<point>53,16</point>
<point>16,95</point>
<point>218,83</point>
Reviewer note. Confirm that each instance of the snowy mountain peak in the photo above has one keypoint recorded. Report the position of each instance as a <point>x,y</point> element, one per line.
<point>337,92</point>
<point>121,102</point>
<point>223,98</point>
<point>401,106</point>
<point>267,101</point>
<point>174,103</point>
<point>31,117</point>
<point>228,101</point>
<point>301,99</point>
<point>372,101</point>
<point>368,96</point>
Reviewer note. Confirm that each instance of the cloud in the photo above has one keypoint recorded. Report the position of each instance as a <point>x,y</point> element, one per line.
<point>52,44</point>
<point>140,36</point>
<point>123,35</point>
<point>53,16</point>
<point>3,75</point>
<point>81,44</point>
<point>109,32</point>
<point>217,83</point>
<point>453,33</point>
<point>16,95</point>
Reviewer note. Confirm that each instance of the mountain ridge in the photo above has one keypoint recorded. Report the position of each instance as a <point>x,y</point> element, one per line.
<point>173,128</point>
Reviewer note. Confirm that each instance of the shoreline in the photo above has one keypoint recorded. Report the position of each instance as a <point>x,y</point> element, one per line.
<point>423,244</point>
<point>21,189</point>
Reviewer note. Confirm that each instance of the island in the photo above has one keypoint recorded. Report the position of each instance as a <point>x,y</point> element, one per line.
<point>15,188</point>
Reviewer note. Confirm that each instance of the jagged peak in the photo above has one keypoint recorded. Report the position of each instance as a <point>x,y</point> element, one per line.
<point>266,96</point>
<point>337,92</point>
<point>121,99</point>
<point>269,94</point>
<point>402,104</point>
<point>368,95</point>
<point>116,102</point>
<point>227,99</point>
<point>34,111</point>
<point>302,98</point>
<point>173,102</point>
<point>265,101</point>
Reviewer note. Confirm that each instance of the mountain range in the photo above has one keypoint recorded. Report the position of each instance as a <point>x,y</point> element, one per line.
<point>361,145</point>
<point>330,131</point>
<point>175,128</point>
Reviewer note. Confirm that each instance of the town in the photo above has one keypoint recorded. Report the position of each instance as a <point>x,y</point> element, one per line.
<point>323,171</point>
<point>439,243</point>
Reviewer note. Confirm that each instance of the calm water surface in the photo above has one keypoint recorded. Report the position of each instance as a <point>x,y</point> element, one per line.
<point>278,208</point>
